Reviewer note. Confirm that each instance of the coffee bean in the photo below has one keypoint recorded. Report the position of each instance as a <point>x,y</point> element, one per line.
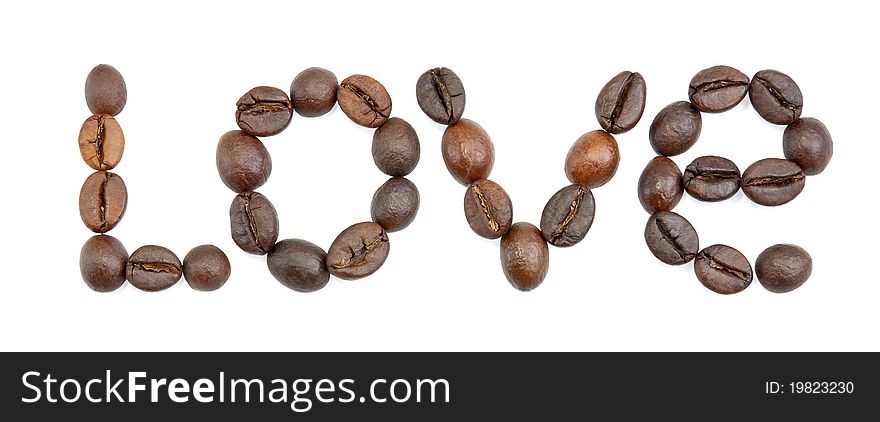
<point>467,151</point>
<point>358,251</point>
<point>313,92</point>
<point>525,257</point>
<point>253,222</point>
<point>723,269</point>
<point>105,90</point>
<point>396,147</point>
<point>660,186</point>
<point>568,215</point>
<point>783,268</point>
<point>395,204</point>
<point>671,238</point>
<point>776,97</point>
<point>718,89</point>
<point>263,111</point>
<point>101,142</point>
<point>153,268</point>
<point>592,159</point>
<point>488,209</point>
<point>102,201</point>
<point>243,162</point>
<point>808,143</point>
<point>206,268</point>
<point>299,265</point>
<point>773,181</point>
<point>102,263</point>
<point>364,100</point>
<point>675,129</point>
<point>711,178</point>
<point>621,102</point>
<point>440,94</point>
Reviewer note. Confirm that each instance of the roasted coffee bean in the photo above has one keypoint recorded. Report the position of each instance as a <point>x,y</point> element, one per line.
<point>105,90</point>
<point>783,268</point>
<point>621,102</point>
<point>808,143</point>
<point>313,92</point>
<point>711,178</point>
<point>358,251</point>
<point>568,215</point>
<point>525,257</point>
<point>364,100</point>
<point>152,268</point>
<point>488,209</point>
<point>102,201</point>
<point>101,142</point>
<point>723,269</point>
<point>263,111</point>
<point>660,185</point>
<point>592,159</point>
<point>467,151</point>
<point>671,238</point>
<point>776,97</point>
<point>717,89</point>
<point>299,265</point>
<point>440,94</point>
<point>206,268</point>
<point>243,162</point>
<point>396,147</point>
<point>253,222</point>
<point>773,181</point>
<point>395,204</point>
<point>675,129</point>
<point>102,263</point>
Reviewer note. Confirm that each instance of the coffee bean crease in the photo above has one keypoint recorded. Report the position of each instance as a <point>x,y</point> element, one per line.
<point>776,181</point>
<point>484,205</point>
<point>716,85</point>
<point>729,269</point>
<point>156,267</point>
<point>622,95</point>
<point>443,92</point>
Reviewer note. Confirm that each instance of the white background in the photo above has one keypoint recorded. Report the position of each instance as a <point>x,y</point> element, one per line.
<point>531,72</point>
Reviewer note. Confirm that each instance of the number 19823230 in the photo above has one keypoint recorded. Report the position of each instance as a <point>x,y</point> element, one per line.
<point>810,387</point>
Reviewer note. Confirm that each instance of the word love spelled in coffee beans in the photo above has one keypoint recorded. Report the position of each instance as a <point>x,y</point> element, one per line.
<point>469,155</point>
<point>104,262</point>
<point>807,147</point>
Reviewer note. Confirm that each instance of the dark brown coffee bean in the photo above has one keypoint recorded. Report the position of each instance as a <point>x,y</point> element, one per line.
<point>105,90</point>
<point>711,178</point>
<point>525,257</point>
<point>773,181</point>
<point>440,94</point>
<point>488,209</point>
<point>776,97</point>
<point>102,201</point>
<point>206,268</point>
<point>671,238</point>
<point>467,151</point>
<point>568,215</point>
<point>263,111</point>
<point>717,89</point>
<point>592,159</point>
<point>313,92</point>
<point>808,143</point>
<point>153,268</point>
<point>299,265</point>
<point>101,142</point>
<point>102,263</point>
<point>364,100</point>
<point>396,147</point>
<point>675,129</point>
<point>660,186</point>
<point>723,269</point>
<point>358,251</point>
<point>243,162</point>
<point>783,268</point>
<point>253,222</point>
<point>621,102</point>
<point>395,204</point>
